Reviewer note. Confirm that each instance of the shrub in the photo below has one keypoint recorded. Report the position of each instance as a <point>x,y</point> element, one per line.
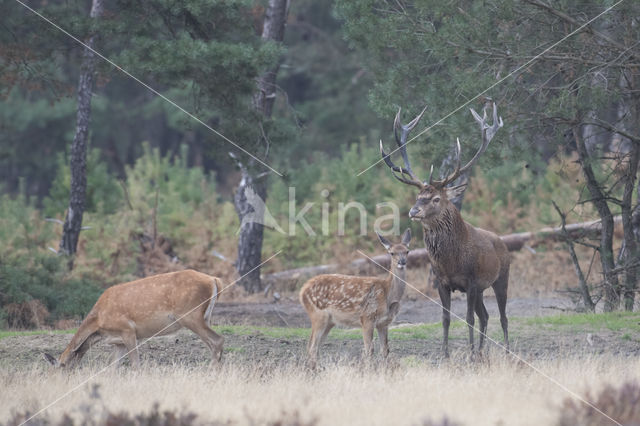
<point>154,418</point>
<point>621,404</point>
<point>36,288</point>
<point>103,193</point>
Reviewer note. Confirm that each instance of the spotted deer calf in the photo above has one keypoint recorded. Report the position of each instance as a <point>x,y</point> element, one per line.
<point>153,306</point>
<point>352,301</point>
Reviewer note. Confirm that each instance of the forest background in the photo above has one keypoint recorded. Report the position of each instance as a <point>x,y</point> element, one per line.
<point>160,190</point>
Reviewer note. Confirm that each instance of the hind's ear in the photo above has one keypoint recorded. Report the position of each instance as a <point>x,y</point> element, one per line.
<point>50,359</point>
<point>406,237</point>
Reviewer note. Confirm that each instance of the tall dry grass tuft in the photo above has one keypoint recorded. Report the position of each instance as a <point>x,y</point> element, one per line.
<point>498,391</point>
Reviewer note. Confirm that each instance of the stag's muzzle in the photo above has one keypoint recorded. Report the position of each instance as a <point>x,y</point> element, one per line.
<point>413,213</point>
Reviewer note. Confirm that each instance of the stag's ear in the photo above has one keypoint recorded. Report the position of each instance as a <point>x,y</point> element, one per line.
<point>456,191</point>
<point>406,237</point>
<point>384,241</point>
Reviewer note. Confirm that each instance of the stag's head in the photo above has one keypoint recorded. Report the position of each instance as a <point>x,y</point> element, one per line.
<point>433,199</point>
<point>398,252</point>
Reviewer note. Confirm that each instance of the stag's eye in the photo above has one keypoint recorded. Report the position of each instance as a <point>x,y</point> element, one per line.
<point>436,200</point>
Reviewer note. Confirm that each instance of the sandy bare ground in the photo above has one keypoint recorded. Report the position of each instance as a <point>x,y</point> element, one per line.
<point>289,313</point>
<point>256,346</point>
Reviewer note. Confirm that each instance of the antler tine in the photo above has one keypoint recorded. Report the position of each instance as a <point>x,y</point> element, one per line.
<point>411,180</point>
<point>488,132</point>
<point>401,140</point>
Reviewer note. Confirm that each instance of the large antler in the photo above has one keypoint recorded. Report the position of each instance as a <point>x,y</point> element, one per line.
<point>488,132</point>
<point>406,174</point>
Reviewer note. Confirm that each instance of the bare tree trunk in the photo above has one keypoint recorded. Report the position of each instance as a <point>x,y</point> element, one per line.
<point>73,220</point>
<point>582,282</point>
<point>251,234</point>
<point>629,110</point>
<point>249,203</point>
<point>611,284</point>
<point>630,254</point>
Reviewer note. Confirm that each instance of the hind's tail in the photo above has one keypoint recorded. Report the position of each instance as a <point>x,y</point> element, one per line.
<point>215,290</point>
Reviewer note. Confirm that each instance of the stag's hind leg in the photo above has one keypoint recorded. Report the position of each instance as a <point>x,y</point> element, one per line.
<point>483,316</point>
<point>500,288</point>
<point>472,296</point>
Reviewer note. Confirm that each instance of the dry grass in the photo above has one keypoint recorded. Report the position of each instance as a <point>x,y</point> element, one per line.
<point>496,392</point>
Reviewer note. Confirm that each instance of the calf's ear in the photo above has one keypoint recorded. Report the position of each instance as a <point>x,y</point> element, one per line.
<point>384,241</point>
<point>406,237</point>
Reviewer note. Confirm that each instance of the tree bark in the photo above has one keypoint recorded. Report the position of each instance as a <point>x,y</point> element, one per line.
<point>78,162</point>
<point>249,200</point>
<point>628,110</point>
<point>611,283</point>
<point>251,233</point>
<point>630,254</point>
<point>582,281</point>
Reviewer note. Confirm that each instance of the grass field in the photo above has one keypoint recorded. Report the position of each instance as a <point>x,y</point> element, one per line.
<point>263,376</point>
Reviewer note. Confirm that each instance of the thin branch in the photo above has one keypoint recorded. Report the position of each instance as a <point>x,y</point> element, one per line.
<point>584,288</point>
<point>576,23</point>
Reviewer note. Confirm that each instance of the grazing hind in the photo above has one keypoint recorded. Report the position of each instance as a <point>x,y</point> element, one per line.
<point>153,306</point>
<point>367,302</point>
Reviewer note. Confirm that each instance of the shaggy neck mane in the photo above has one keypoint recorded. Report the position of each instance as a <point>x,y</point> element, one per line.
<point>444,233</point>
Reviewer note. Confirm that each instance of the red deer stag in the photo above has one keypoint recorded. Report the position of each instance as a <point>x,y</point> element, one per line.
<point>462,257</point>
<point>352,301</point>
<point>153,306</point>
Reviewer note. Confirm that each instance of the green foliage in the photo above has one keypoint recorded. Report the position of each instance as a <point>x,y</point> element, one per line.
<point>28,271</point>
<point>330,185</point>
<point>43,277</point>
<point>103,193</point>
<point>22,228</point>
<point>171,187</point>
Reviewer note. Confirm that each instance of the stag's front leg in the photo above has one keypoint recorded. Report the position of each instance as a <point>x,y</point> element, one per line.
<point>472,295</point>
<point>483,316</point>
<point>445,298</point>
